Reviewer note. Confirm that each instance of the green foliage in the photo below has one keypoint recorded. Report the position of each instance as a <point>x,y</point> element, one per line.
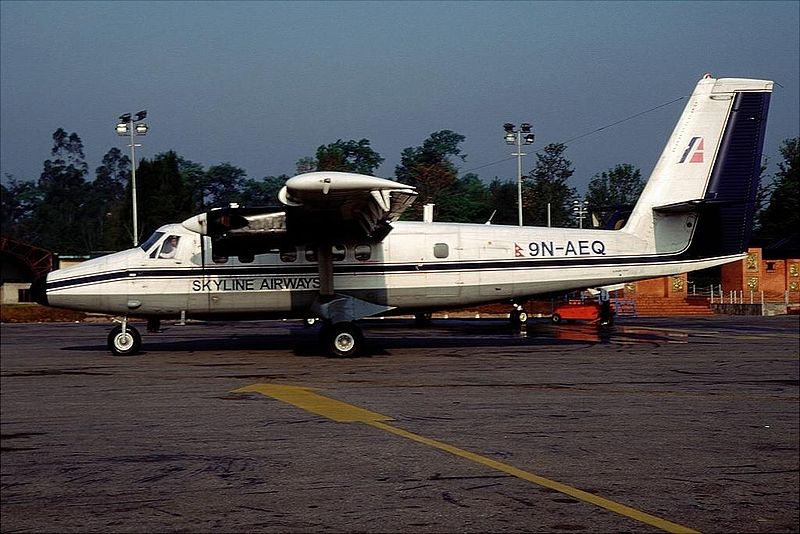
<point>106,195</point>
<point>348,156</point>
<point>467,201</point>
<point>262,192</point>
<point>223,184</point>
<point>781,218</point>
<point>19,201</point>
<point>306,164</point>
<point>65,213</point>
<point>162,194</point>
<point>547,184</point>
<point>613,191</point>
<point>503,198</point>
<point>57,220</point>
<point>428,168</point>
<point>194,176</point>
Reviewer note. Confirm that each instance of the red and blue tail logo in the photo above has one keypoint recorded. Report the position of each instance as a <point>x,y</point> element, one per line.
<point>695,150</point>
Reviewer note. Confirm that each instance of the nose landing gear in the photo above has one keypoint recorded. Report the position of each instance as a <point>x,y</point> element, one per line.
<point>124,340</point>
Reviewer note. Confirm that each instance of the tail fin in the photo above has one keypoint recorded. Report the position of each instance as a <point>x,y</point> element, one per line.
<point>700,198</point>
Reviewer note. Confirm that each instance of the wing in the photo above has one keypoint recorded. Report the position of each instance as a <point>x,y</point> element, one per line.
<point>347,199</point>
<point>318,207</point>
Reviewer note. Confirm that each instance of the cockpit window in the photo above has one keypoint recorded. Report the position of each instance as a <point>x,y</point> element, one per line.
<point>151,241</point>
<point>170,247</point>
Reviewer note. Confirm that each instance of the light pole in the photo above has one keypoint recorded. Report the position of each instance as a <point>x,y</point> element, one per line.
<point>129,125</point>
<point>519,137</point>
<point>580,208</point>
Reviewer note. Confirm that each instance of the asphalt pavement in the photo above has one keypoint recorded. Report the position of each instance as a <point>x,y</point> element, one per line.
<point>683,424</point>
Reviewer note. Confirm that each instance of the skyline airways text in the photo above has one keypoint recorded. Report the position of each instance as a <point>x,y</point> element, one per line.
<point>278,283</point>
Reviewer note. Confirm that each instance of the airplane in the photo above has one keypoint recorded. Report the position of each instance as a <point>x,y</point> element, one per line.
<point>336,249</point>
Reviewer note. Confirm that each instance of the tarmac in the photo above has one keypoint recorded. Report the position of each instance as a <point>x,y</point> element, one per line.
<point>468,425</point>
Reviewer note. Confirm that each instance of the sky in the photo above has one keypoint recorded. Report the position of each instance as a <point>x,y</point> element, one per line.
<point>262,84</point>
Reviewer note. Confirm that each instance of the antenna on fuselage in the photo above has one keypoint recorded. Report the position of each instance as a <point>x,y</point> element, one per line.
<point>489,220</point>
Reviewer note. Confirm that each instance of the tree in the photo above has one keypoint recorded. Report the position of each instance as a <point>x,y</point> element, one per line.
<point>19,201</point>
<point>468,201</point>
<point>223,184</point>
<point>306,164</point>
<point>59,219</point>
<point>163,196</point>
<point>193,175</point>
<point>106,195</point>
<point>547,184</point>
<point>347,156</point>
<point>614,192</point>
<point>503,198</point>
<point>781,218</point>
<point>262,192</point>
<point>429,169</point>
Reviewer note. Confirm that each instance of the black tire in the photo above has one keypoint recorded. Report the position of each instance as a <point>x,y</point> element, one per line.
<point>124,344</point>
<point>555,318</point>
<point>343,340</point>
<point>423,319</point>
<point>518,317</point>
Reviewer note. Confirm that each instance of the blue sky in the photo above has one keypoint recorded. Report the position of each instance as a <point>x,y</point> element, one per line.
<point>263,84</point>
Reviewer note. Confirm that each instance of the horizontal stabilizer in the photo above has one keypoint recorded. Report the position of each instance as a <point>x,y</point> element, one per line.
<point>687,206</point>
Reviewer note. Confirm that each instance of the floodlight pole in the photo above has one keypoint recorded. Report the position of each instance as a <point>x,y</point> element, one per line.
<point>133,187</point>
<point>519,155</point>
<point>129,125</point>
<point>514,136</point>
<point>580,207</point>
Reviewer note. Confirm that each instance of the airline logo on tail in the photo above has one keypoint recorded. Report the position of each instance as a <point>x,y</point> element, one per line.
<point>694,152</point>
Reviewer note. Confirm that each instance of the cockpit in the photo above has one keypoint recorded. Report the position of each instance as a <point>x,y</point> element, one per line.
<point>165,244</point>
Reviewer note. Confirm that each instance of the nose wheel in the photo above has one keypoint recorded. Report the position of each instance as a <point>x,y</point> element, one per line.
<point>124,340</point>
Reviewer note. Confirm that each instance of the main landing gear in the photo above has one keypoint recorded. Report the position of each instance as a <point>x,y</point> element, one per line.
<point>342,340</point>
<point>518,316</point>
<point>124,340</point>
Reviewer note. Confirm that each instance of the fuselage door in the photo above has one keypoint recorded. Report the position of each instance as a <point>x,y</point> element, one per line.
<point>160,277</point>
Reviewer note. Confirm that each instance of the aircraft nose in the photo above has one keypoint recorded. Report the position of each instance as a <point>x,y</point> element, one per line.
<point>39,290</point>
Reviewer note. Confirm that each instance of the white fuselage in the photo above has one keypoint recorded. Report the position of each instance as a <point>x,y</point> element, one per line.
<point>417,267</point>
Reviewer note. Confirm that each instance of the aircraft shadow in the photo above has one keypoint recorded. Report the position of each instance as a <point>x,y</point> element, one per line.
<point>381,337</point>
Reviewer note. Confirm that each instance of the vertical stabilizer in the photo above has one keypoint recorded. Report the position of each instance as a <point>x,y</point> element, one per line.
<point>702,190</point>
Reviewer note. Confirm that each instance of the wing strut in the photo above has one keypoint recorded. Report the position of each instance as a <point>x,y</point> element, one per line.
<point>335,307</point>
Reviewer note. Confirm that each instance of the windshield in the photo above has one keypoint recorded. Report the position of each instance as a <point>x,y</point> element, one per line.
<point>151,240</point>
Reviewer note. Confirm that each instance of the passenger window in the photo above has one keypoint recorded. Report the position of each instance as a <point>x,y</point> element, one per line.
<point>311,254</point>
<point>441,250</point>
<point>170,247</point>
<point>288,255</point>
<point>363,252</point>
<point>246,258</point>
<point>338,252</point>
<point>219,259</point>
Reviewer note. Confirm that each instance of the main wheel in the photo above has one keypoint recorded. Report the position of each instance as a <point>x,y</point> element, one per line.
<point>556,318</point>
<point>423,319</point>
<point>124,344</point>
<point>518,317</point>
<point>343,340</point>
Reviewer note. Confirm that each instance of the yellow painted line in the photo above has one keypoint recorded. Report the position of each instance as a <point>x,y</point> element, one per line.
<point>306,399</point>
